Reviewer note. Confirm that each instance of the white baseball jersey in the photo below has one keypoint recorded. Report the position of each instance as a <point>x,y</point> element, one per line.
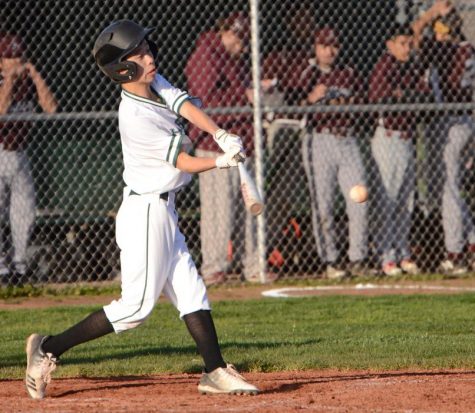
<point>152,138</point>
<point>154,257</point>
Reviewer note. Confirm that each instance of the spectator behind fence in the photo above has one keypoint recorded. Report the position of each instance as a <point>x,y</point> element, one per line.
<point>22,90</point>
<point>450,61</point>
<point>218,72</point>
<point>292,51</point>
<point>331,154</point>
<point>396,78</point>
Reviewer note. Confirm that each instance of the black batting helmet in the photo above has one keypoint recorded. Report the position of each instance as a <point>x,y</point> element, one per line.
<point>114,43</point>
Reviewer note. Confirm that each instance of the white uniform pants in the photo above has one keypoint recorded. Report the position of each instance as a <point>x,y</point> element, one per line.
<point>154,258</point>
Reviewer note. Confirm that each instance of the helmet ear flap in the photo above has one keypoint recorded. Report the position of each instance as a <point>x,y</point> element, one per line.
<point>121,72</point>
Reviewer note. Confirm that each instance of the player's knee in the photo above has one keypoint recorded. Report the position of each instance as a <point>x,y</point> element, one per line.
<point>129,317</point>
<point>128,324</point>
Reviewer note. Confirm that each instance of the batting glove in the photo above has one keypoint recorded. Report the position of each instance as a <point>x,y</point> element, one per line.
<point>228,159</point>
<point>228,141</point>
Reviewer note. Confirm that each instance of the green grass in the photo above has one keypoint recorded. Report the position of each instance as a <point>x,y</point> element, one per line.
<point>343,332</point>
<point>26,291</point>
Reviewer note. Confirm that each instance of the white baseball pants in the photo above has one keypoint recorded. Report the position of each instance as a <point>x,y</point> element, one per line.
<point>154,259</point>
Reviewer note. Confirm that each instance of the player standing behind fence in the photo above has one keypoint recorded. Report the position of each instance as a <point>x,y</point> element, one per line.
<point>450,61</point>
<point>22,90</point>
<point>154,257</point>
<point>395,79</point>
<point>218,72</point>
<point>331,155</point>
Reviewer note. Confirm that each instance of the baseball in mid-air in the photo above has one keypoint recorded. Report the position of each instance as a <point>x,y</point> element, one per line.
<point>359,194</point>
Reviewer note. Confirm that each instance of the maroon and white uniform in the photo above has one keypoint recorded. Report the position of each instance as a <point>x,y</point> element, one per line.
<point>220,80</point>
<point>331,155</point>
<point>393,150</point>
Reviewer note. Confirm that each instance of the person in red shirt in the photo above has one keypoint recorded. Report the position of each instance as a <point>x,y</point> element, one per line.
<point>331,154</point>
<point>218,72</point>
<point>283,63</point>
<point>22,90</point>
<point>396,78</point>
<point>449,60</point>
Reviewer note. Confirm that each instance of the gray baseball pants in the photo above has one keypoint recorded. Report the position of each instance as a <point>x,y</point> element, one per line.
<point>222,212</point>
<point>447,138</point>
<point>15,175</point>
<point>394,198</point>
<point>330,160</point>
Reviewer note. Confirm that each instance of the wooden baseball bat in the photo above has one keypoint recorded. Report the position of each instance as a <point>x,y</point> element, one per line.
<point>250,194</point>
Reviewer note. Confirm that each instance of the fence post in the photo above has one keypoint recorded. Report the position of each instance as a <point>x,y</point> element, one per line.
<point>258,138</point>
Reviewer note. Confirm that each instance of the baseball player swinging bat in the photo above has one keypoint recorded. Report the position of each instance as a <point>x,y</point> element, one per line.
<point>250,194</point>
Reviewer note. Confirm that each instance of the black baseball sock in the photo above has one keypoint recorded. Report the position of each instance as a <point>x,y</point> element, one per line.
<point>201,327</point>
<point>93,326</point>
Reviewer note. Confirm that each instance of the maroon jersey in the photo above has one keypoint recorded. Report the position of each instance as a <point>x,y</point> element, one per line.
<point>452,70</point>
<point>284,66</point>
<point>390,76</point>
<point>13,134</point>
<point>341,82</point>
<point>219,80</point>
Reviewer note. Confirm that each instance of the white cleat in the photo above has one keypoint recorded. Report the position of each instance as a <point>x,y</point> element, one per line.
<point>335,273</point>
<point>391,269</point>
<point>453,268</point>
<point>409,267</point>
<point>225,381</point>
<point>39,367</point>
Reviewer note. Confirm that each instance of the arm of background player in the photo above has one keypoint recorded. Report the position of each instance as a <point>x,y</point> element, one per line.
<point>192,164</point>
<point>12,70</point>
<point>45,97</point>
<point>6,94</point>
<point>440,8</point>
<point>198,118</point>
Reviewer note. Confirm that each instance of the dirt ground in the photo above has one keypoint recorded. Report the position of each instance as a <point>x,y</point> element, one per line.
<point>248,292</point>
<point>316,391</point>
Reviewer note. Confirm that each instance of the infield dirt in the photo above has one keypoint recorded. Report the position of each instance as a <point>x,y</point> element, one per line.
<point>316,391</point>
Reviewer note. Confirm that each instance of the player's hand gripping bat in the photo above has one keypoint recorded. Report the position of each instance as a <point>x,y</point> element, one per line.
<point>250,194</point>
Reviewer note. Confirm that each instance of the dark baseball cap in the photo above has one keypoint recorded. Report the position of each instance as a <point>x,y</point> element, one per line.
<point>238,23</point>
<point>396,29</point>
<point>327,36</point>
<point>11,46</point>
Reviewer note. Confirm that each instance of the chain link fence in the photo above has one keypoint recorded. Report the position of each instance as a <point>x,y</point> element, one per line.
<point>355,93</point>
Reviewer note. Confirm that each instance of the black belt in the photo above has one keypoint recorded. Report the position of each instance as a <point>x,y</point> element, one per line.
<point>163,196</point>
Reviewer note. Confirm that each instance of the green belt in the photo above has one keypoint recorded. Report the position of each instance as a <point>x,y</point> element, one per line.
<point>163,196</point>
